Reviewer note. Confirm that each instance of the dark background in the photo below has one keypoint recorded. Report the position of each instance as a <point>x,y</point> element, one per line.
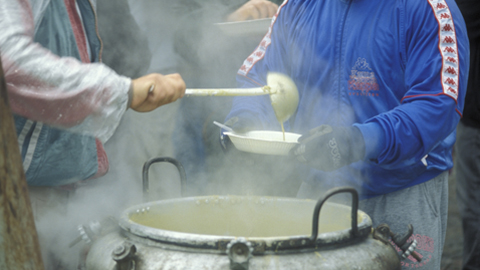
<point>452,252</point>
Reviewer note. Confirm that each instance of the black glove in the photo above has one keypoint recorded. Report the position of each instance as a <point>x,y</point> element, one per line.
<point>329,148</point>
<point>239,125</point>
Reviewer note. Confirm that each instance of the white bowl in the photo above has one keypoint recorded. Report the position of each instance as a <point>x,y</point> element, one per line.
<point>264,142</point>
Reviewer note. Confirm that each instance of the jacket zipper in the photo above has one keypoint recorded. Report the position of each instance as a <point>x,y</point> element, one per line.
<point>340,62</point>
<point>97,32</point>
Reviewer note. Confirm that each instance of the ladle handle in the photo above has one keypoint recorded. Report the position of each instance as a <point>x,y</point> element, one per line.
<point>321,201</point>
<point>227,92</point>
<point>146,166</point>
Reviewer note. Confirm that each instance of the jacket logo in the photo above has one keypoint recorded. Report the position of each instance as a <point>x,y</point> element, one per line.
<point>362,81</point>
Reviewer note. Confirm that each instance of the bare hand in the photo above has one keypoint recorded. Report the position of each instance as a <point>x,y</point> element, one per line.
<point>154,90</point>
<point>253,9</point>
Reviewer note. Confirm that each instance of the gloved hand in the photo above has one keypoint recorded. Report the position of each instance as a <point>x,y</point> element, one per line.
<point>328,148</point>
<point>239,125</point>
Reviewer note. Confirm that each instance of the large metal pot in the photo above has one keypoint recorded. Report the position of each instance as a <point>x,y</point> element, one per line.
<point>243,232</point>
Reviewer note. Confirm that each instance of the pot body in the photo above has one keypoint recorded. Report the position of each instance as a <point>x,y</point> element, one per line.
<point>368,254</point>
<point>235,232</point>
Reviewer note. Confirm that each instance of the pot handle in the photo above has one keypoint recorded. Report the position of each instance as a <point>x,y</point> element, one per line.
<point>321,201</point>
<point>146,166</point>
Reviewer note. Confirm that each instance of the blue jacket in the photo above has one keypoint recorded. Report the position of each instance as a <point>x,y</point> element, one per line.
<point>396,69</point>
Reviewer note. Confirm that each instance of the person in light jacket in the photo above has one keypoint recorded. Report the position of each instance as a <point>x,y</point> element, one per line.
<point>67,104</point>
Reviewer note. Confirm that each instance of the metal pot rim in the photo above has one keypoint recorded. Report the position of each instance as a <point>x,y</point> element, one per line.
<point>214,243</point>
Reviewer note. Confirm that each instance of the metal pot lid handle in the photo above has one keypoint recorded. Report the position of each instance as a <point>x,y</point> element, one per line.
<point>321,201</point>
<point>146,166</point>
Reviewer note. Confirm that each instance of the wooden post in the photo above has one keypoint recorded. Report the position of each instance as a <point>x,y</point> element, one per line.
<point>19,246</point>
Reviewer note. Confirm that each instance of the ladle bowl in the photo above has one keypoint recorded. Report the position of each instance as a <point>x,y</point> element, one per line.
<point>284,96</point>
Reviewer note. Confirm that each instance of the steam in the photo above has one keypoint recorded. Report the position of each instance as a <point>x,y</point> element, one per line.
<point>178,130</point>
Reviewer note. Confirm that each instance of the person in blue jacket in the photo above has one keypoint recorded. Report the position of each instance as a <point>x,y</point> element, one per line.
<point>382,87</point>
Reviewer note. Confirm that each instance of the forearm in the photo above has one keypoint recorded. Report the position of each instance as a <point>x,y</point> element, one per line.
<point>406,134</point>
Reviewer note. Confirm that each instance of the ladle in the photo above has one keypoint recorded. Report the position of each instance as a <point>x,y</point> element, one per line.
<point>282,90</point>
<point>227,128</point>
